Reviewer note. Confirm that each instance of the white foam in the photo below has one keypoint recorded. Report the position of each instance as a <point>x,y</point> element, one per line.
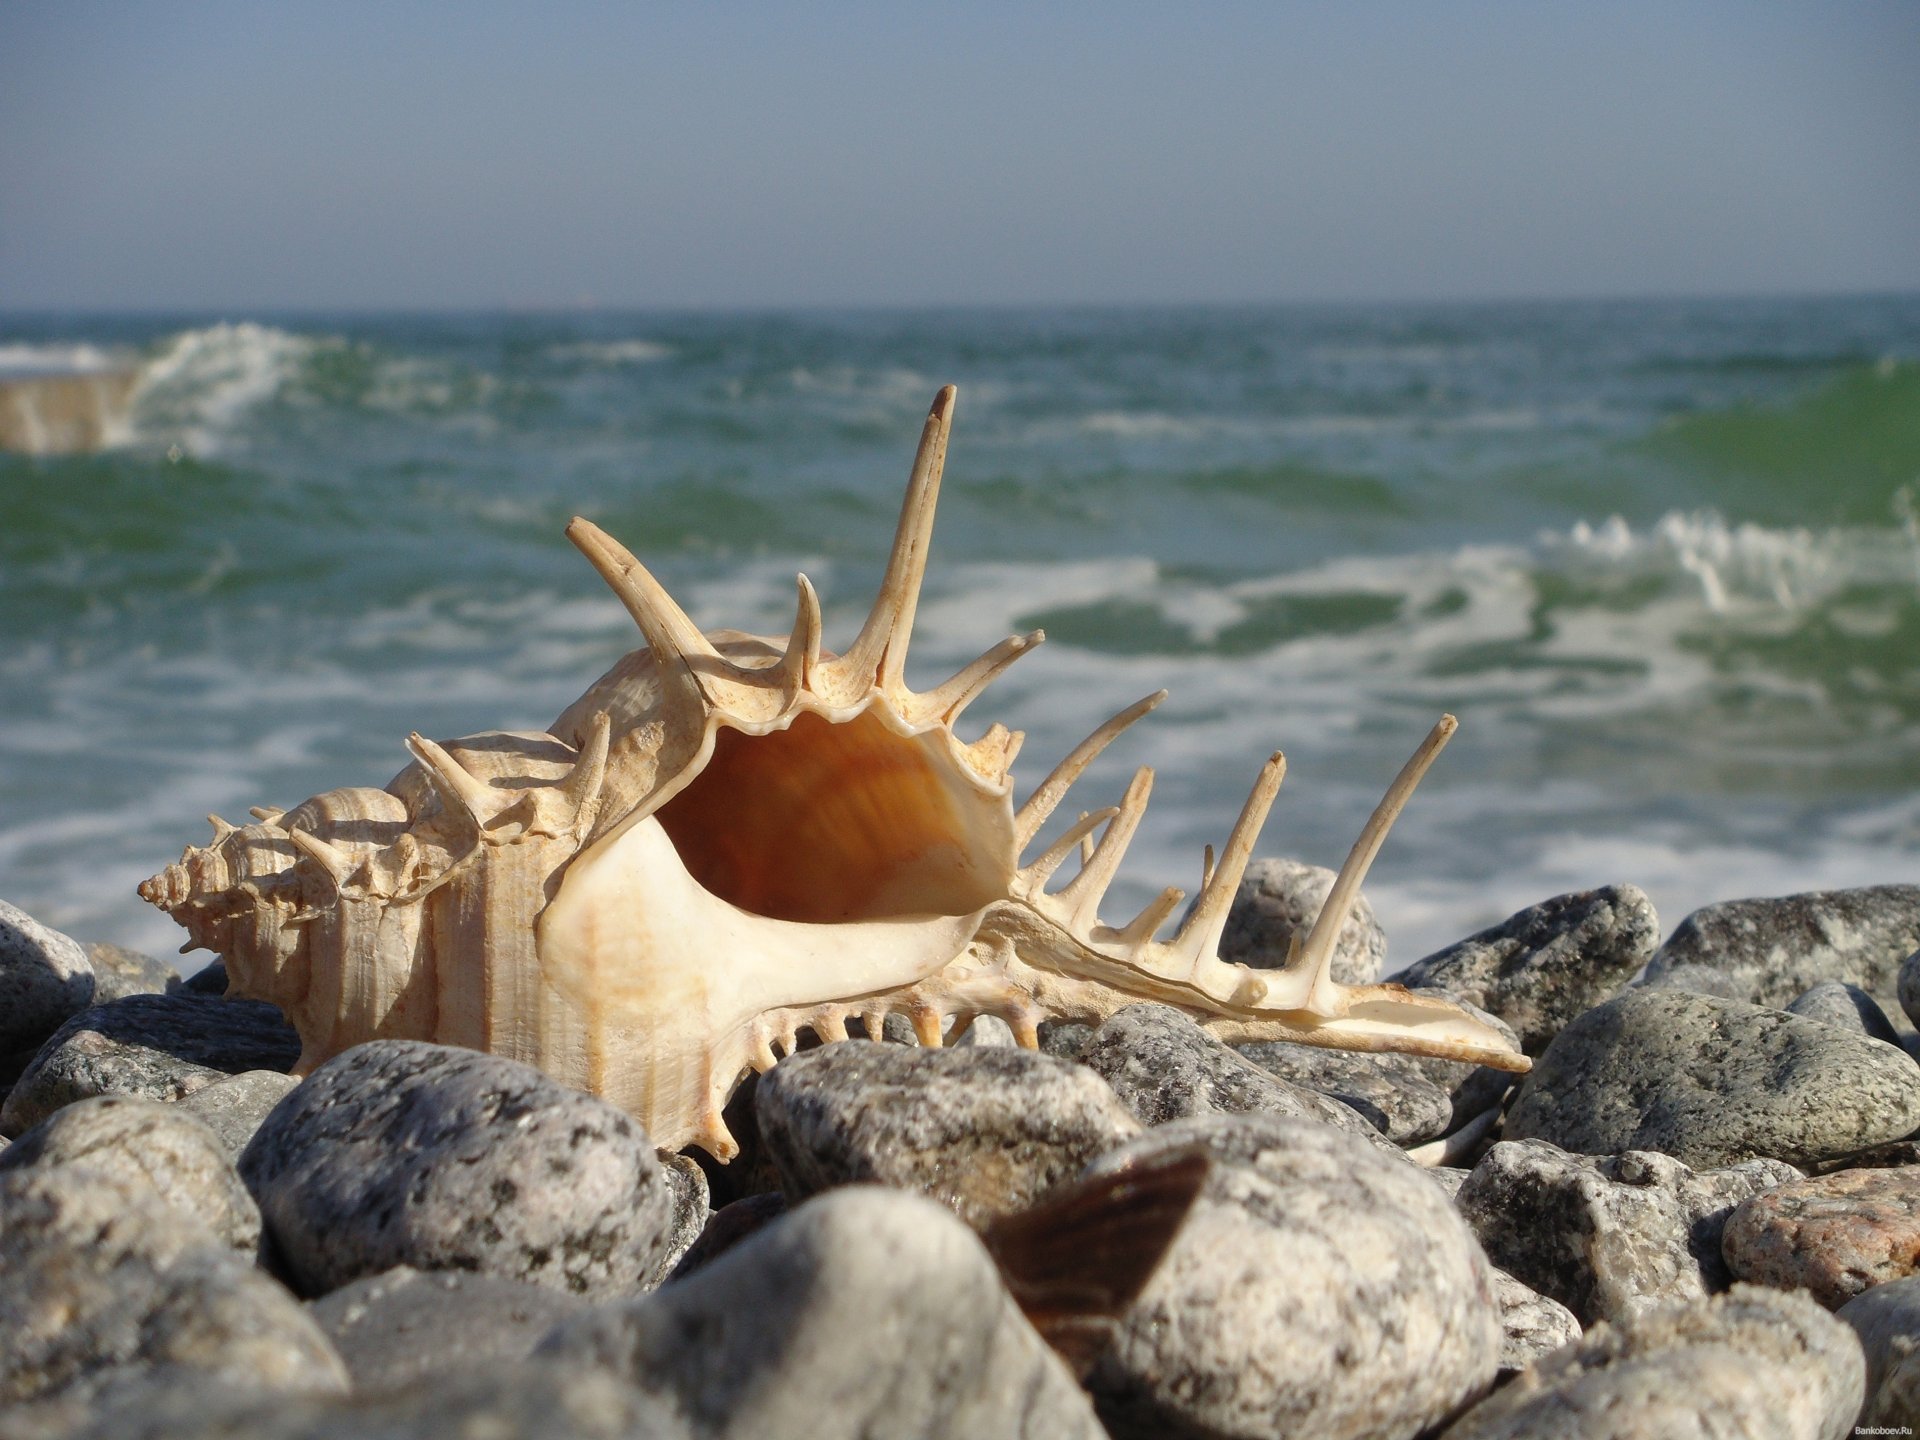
<point>197,391</point>
<point>613,352</point>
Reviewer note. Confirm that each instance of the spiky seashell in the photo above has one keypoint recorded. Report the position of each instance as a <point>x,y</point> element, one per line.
<point>730,839</point>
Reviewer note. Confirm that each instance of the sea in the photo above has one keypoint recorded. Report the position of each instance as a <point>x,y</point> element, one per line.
<point>1662,559</point>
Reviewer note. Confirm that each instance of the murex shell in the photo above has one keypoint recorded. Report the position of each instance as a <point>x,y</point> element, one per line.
<point>729,839</point>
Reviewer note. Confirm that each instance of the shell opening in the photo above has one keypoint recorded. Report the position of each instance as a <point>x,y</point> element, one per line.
<point>830,821</point>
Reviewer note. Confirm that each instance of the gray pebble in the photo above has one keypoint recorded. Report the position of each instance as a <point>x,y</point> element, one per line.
<point>864,1313</point>
<point>159,1046</point>
<point>147,1143</point>
<point>403,1153</point>
<point>1753,1363</point>
<point>1390,1092</point>
<point>687,1187</point>
<point>1887,1320</point>
<point>98,1277</point>
<point>1539,968</point>
<point>1713,1082</point>
<point>1700,979</point>
<point>1164,1067</point>
<point>985,1132</point>
<point>235,1106</point>
<point>408,1326</point>
<point>1774,949</point>
<point>44,978</point>
<point>119,972</point>
<point>1608,1236</point>
<point>1279,900</point>
<point>1834,1002</point>
<point>1317,1288</point>
<point>1531,1325</point>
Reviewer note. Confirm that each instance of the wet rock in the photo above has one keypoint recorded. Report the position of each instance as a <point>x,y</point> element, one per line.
<point>119,972</point>
<point>99,1280</point>
<point>160,1046</point>
<point>172,1154</point>
<point>404,1153</point>
<point>1608,1236</point>
<point>1775,949</point>
<point>407,1326</point>
<point>1531,1325</point>
<point>44,978</point>
<point>1834,1235</point>
<point>1280,899</point>
<point>1164,1067</point>
<point>1390,1092</point>
<point>1318,1288</point>
<point>1887,1320</point>
<point>1539,968</point>
<point>1834,1002</point>
<point>1755,1363</point>
<point>778,1335</point>
<point>235,1106</point>
<point>1713,1082</point>
<point>985,1132</point>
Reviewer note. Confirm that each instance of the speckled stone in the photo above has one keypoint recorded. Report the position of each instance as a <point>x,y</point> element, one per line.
<point>1279,899</point>
<point>404,1153</point>
<point>1887,1320</point>
<point>408,1326</point>
<point>1317,1288</point>
<point>1164,1067</point>
<point>1834,1235</point>
<point>99,1278</point>
<point>687,1187</point>
<point>864,1313</point>
<point>1834,1002</point>
<point>1531,1325</point>
<point>235,1106</point>
<point>1608,1236</point>
<point>985,1132</point>
<point>1713,1082</point>
<point>1754,1363</point>
<point>44,978</point>
<point>1541,967</point>
<point>119,972</point>
<point>147,1143</point>
<point>1775,949</point>
<point>1390,1092</point>
<point>159,1046</point>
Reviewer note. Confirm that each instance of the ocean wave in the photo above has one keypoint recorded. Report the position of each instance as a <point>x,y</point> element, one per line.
<point>612,352</point>
<point>197,391</point>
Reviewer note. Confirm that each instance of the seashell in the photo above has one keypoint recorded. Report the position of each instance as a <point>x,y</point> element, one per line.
<point>729,839</point>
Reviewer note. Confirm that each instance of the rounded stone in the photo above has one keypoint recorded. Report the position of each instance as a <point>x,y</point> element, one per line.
<point>119,972</point>
<point>1833,1235</point>
<point>984,1131</point>
<point>179,1159</point>
<point>1278,901</point>
<point>1531,1324</point>
<point>1887,1320</point>
<point>235,1106</point>
<point>1835,1002</point>
<point>403,1153</point>
<point>1713,1082</point>
<point>44,978</point>
<point>1318,1288</point>
<point>1390,1092</point>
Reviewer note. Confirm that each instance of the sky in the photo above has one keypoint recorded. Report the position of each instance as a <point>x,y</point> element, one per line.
<point>198,155</point>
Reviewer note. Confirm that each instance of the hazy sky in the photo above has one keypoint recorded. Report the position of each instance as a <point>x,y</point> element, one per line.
<point>336,153</point>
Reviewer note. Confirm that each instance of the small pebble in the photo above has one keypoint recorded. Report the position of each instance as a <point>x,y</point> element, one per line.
<point>1834,1002</point>
<point>1278,901</point>
<point>235,1106</point>
<point>1531,1325</point>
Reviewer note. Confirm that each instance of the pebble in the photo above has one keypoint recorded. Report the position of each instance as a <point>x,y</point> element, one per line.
<point>99,1279</point>
<point>1834,1002</point>
<point>1317,1288</point>
<point>1887,1320</point>
<point>985,1131</point>
<point>402,1153</point>
<point>44,978</point>
<point>1540,968</point>
<point>1531,1324</point>
<point>1164,1067</point>
<point>1390,1092</point>
<point>688,1195</point>
<point>1279,899</point>
<point>1753,1363</point>
<point>1608,1236</point>
<point>1775,949</point>
<point>159,1046</point>
<point>172,1154</point>
<point>1908,986</point>
<point>864,1313</point>
<point>235,1106</point>
<point>1833,1235</point>
<point>119,972</point>
<point>407,1326</point>
<point>1713,1082</point>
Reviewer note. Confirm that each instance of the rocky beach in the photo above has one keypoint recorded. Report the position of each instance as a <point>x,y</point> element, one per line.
<point>1698,1214</point>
